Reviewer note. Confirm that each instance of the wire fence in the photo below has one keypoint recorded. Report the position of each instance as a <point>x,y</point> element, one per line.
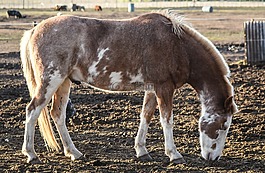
<point>21,4</point>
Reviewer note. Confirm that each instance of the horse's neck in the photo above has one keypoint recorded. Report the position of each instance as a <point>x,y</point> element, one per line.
<point>212,88</point>
<point>210,99</point>
<point>207,71</point>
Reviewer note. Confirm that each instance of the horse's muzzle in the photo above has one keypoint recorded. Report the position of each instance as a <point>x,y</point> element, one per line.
<point>211,157</point>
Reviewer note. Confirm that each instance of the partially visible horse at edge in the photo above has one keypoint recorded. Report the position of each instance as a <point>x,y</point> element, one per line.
<point>155,52</point>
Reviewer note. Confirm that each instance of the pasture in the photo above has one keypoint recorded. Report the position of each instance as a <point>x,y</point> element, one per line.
<point>105,125</point>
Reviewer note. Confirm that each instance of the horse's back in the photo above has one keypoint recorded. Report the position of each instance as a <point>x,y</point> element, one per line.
<point>104,52</point>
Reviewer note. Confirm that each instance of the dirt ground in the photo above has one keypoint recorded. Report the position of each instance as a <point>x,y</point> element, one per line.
<point>105,125</point>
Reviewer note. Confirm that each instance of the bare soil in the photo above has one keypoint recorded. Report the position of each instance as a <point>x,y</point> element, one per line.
<point>105,125</point>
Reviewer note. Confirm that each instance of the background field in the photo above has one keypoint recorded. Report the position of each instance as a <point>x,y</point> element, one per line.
<point>105,125</point>
<point>224,25</point>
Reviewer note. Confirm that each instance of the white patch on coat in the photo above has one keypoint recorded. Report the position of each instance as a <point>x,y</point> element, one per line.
<point>93,68</point>
<point>51,65</point>
<point>206,145</point>
<point>115,80</point>
<point>206,142</point>
<point>104,69</point>
<point>55,81</point>
<point>82,46</point>
<point>208,116</point>
<point>101,53</point>
<point>206,101</point>
<point>228,122</point>
<point>137,78</point>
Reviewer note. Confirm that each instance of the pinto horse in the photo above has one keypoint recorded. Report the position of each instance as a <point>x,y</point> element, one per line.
<point>155,52</point>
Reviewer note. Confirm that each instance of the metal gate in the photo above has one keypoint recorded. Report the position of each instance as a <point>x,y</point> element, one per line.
<point>255,42</point>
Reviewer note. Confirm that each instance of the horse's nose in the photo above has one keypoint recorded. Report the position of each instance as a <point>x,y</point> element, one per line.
<point>210,157</point>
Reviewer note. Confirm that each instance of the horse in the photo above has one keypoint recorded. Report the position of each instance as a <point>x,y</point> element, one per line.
<point>60,8</point>
<point>156,53</point>
<point>98,8</point>
<point>14,13</point>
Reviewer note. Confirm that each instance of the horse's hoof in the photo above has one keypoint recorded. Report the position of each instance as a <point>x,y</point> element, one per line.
<point>83,157</point>
<point>177,161</point>
<point>80,158</point>
<point>35,161</point>
<point>145,158</point>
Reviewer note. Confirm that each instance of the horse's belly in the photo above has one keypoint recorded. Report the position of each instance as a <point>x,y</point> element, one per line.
<point>118,87</point>
<point>118,81</point>
<point>116,84</point>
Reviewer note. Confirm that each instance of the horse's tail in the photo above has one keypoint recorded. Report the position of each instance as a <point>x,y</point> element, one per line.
<point>44,118</point>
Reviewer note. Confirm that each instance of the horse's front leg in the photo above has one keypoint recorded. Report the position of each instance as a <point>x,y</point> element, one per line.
<point>149,106</point>
<point>165,103</point>
<point>58,113</point>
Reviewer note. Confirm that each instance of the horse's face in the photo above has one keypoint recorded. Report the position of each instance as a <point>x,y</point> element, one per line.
<point>213,131</point>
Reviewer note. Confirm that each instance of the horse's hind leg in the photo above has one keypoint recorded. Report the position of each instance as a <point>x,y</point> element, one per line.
<point>164,95</point>
<point>32,113</point>
<point>39,100</point>
<point>58,113</point>
<point>149,106</point>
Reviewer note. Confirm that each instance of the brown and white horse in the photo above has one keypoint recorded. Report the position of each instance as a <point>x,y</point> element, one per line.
<point>155,52</point>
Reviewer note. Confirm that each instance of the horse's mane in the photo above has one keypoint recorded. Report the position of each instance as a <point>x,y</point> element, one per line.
<point>180,26</point>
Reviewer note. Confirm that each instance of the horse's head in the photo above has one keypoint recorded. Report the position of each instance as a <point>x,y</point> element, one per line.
<point>213,127</point>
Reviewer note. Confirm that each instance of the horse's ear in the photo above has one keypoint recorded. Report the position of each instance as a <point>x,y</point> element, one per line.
<point>230,106</point>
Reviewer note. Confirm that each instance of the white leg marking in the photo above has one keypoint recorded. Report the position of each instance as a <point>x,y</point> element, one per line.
<point>59,104</point>
<point>140,140</point>
<point>69,148</point>
<point>32,116</point>
<point>170,148</point>
<point>28,144</point>
<point>148,109</point>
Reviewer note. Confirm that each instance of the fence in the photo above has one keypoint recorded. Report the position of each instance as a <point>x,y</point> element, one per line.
<point>124,3</point>
<point>255,42</point>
